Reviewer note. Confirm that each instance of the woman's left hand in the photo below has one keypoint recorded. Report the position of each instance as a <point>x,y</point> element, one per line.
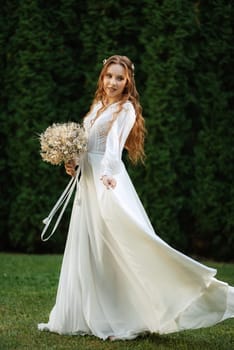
<point>108,181</point>
<point>70,167</point>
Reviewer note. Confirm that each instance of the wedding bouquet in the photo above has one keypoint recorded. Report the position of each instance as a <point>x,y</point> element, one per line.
<point>62,142</point>
<point>59,144</point>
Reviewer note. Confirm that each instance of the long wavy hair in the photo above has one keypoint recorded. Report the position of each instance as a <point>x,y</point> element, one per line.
<point>135,141</point>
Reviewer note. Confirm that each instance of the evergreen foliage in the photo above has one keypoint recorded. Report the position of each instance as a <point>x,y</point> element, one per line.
<point>51,53</point>
<point>212,195</point>
<point>168,64</point>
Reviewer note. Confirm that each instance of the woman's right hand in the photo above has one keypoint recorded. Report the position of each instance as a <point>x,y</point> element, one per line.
<point>108,181</point>
<point>70,167</point>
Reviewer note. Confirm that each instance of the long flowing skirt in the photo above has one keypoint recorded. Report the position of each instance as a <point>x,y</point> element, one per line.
<point>118,278</point>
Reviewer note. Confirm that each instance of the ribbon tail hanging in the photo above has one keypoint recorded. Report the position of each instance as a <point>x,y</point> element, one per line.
<point>64,198</point>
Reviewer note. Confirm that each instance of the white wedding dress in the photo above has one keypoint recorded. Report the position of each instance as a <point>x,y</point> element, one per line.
<point>118,278</point>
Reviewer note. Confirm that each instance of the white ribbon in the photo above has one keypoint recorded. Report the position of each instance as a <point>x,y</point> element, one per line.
<point>64,198</point>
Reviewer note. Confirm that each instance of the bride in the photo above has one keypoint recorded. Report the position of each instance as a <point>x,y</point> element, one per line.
<point>118,278</point>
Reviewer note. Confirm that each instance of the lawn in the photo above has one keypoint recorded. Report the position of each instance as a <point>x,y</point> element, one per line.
<point>28,288</point>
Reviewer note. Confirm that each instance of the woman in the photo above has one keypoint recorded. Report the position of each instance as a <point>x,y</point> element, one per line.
<point>118,278</point>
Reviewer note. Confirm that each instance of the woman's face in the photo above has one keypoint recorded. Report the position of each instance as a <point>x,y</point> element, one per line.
<point>114,82</point>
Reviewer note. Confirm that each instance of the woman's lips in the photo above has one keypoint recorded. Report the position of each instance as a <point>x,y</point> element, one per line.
<point>111,90</point>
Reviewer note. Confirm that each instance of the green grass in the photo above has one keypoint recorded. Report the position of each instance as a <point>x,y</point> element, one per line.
<point>28,286</point>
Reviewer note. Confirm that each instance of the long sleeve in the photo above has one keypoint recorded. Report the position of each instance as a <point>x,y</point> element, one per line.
<point>116,139</point>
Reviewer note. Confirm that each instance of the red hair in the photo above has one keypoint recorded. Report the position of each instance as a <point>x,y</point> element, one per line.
<point>135,141</point>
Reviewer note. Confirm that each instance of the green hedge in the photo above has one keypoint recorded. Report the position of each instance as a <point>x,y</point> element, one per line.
<point>51,54</point>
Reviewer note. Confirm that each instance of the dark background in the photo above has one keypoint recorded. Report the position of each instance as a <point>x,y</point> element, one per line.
<point>51,53</point>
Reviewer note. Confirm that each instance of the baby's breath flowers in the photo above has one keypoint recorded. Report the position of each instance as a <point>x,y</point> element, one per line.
<point>61,143</point>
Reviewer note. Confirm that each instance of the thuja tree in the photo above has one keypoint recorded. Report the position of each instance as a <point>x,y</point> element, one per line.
<point>62,19</point>
<point>168,64</point>
<point>37,69</point>
<point>51,55</point>
<point>6,29</point>
<point>107,28</point>
<point>28,91</point>
<point>212,194</point>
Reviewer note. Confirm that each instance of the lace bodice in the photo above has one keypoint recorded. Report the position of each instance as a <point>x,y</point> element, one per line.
<point>111,142</point>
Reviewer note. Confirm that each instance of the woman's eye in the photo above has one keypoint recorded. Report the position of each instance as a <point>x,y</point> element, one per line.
<point>108,75</point>
<point>120,78</point>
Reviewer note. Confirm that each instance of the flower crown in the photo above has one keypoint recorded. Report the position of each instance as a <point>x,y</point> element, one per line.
<point>105,60</point>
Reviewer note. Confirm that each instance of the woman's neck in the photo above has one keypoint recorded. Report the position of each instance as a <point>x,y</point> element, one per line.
<point>108,102</point>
